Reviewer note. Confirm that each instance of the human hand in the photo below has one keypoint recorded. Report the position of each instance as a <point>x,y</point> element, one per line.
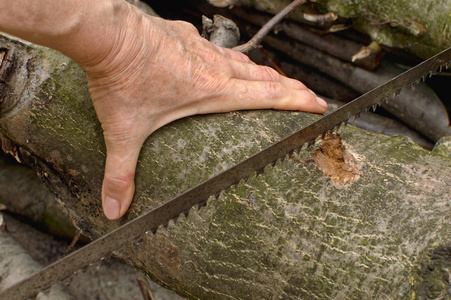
<point>157,71</point>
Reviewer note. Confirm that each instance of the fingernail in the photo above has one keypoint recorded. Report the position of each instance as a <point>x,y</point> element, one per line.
<point>111,208</point>
<point>321,102</point>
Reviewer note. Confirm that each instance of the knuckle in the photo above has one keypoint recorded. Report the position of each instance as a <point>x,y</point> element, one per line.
<point>121,183</point>
<point>241,57</point>
<point>187,26</point>
<point>273,89</point>
<point>269,73</point>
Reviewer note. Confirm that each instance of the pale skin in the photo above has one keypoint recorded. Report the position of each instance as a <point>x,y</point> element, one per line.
<point>144,72</point>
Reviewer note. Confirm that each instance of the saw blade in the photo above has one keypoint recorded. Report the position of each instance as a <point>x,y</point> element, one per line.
<point>150,221</point>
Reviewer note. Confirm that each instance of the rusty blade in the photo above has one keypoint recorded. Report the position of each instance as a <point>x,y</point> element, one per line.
<point>150,221</point>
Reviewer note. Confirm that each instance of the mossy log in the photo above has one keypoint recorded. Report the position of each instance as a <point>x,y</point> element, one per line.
<point>373,223</point>
<point>422,27</point>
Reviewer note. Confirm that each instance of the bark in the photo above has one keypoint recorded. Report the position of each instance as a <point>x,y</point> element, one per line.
<point>420,27</point>
<point>220,31</point>
<point>377,225</point>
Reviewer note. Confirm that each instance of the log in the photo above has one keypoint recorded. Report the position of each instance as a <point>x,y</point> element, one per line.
<point>331,44</point>
<point>373,222</point>
<point>421,27</point>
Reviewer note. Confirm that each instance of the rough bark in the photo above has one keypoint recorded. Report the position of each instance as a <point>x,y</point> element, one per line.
<point>289,233</point>
<point>421,27</point>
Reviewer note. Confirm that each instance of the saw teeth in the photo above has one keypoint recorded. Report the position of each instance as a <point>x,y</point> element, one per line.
<point>199,206</point>
<point>287,156</point>
<point>245,180</point>
<point>260,171</point>
<point>374,107</point>
<point>138,241</point>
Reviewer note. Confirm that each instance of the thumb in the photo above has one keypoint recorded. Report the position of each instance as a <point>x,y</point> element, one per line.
<point>118,183</point>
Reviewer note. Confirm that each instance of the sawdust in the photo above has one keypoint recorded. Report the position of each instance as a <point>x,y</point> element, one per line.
<point>336,161</point>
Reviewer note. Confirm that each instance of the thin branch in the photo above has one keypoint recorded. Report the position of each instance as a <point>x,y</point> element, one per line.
<point>255,41</point>
<point>145,288</point>
<point>74,241</point>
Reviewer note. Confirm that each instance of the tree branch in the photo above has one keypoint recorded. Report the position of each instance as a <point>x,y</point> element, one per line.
<point>257,38</point>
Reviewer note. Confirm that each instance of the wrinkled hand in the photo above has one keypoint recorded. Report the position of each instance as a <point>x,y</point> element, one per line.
<point>159,71</point>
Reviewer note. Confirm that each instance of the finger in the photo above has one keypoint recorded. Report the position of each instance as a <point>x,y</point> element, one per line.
<point>118,183</point>
<point>247,95</point>
<point>263,73</point>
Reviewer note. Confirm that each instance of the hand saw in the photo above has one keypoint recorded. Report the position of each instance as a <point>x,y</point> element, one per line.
<point>198,195</point>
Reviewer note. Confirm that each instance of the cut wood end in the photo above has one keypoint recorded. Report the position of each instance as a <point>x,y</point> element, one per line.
<point>369,56</point>
<point>336,161</point>
<point>321,19</point>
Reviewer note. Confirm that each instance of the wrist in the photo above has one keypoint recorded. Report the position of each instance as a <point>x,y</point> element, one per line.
<point>98,32</point>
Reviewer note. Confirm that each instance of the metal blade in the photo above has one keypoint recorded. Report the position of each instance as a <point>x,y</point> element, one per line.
<point>198,195</point>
